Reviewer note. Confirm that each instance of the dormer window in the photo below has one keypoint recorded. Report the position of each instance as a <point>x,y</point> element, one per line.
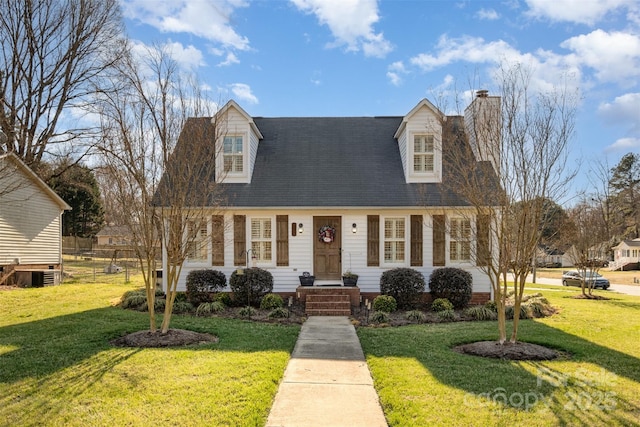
<point>423,153</point>
<point>233,154</point>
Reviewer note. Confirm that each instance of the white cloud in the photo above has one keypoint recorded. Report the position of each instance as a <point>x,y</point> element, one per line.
<point>546,67</point>
<point>395,72</point>
<point>625,107</point>
<point>623,112</point>
<point>351,23</point>
<point>487,14</point>
<point>242,92</point>
<point>468,49</point>
<point>615,56</point>
<point>624,144</point>
<point>209,20</point>
<point>186,57</point>
<point>229,60</point>
<point>578,11</point>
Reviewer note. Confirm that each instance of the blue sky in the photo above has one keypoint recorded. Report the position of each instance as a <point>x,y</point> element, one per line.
<point>281,58</point>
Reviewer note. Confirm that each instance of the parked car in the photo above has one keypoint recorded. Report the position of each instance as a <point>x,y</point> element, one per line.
<point>574,278</point>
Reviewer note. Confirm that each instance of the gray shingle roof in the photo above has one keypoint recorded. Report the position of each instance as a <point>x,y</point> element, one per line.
<point>325,162</point>
<point>332,161</point>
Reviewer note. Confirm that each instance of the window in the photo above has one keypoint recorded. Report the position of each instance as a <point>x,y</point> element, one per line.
<point>423,153</point>
<point>261,239</point>
<point>233,154</point>
<point>197,245</point>
<point>394,232</point>
<point>460,240</point>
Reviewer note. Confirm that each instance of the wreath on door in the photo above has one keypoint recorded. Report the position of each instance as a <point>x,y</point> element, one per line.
<point>327,234</point>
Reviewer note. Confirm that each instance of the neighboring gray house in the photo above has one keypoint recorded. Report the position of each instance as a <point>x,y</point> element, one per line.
<point>326,195</point>
<point>30,226</point>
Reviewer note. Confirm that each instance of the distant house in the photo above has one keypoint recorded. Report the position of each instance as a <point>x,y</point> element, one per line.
<point>30,226</point>
<point>326,195</point>
<point>626,255</point>
<point>550,257</point>
<point>114,236</point>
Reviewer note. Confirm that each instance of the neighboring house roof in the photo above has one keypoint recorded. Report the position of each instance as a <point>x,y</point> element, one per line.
<point>331,162</point>
<point>630,243</point>
<point>114,230</point>
<point>26,170</point>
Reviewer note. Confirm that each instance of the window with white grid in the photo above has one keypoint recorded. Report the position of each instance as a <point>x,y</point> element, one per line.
<point>394,240</point>
<point>233,154</point>
<point>423,153</point>
<point>460,240</point>
<point>261,239</point>
<point>197,244</point>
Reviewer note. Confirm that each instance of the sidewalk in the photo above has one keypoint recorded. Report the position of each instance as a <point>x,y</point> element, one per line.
<point>327,381</point>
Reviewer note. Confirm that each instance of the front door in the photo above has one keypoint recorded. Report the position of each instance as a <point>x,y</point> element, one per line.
<point>327,257</point>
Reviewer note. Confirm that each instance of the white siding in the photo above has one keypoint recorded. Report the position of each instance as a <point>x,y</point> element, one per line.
<point>30,223</point>
<point>402,146</point>
<point>423,121</point>
<point>354,246</point>
<point>236,124</point>
<point>253,152</point>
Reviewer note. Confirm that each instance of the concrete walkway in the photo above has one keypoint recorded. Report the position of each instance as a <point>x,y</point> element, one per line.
<point>327,381</point>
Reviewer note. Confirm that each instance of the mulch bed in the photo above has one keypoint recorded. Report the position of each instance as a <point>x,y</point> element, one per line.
<point>173,338</point>
<point>508,350</point>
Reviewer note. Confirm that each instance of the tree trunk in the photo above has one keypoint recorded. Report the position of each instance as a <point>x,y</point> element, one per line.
<point>151,294</point>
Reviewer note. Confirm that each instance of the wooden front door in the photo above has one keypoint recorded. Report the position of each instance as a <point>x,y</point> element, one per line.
<point>327,257</point>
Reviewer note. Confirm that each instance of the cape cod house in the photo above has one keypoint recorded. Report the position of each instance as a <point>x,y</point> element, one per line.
<point>326,195</point>
<point>30,226</point>
<point>626,255</point>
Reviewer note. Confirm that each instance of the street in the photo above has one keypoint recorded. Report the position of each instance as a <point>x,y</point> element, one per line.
<point>623,289</point>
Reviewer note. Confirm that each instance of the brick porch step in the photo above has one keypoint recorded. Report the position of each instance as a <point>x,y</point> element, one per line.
<point>328,305</point>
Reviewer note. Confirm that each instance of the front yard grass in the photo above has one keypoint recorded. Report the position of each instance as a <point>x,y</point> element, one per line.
<point>421,381</point>
<point>57,367</point>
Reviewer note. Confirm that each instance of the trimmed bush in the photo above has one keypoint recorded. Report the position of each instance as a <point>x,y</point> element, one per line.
<point>134,299</point>
<point>446,315</point>
<point>223,298</point>
<point>180,307</point>
<point>380,317</point>
<point>491,305</point>
<point>416,316</point>
<point>404,284</point>
<point>208,308</point>
<point>385,303</point>
<point>201,284</point>
<point>271,301</point>
<point>454,284</point>
<point>251,286</point>
<point>279,313</point>
<point>525,312</point>
<point>247,311</point>
<point>441,304</point>
<point>481,312</point>
<point>159,304</point>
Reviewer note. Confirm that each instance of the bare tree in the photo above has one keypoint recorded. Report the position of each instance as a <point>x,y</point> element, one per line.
<point>588,234</point>
<point>55,53</point>
<point>520,141</point>
<point>160,190</point>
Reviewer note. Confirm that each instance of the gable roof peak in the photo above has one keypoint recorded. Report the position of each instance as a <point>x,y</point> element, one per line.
<point>233,104</point>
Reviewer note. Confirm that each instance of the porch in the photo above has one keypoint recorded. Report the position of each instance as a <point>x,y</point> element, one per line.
<point>329,298</point>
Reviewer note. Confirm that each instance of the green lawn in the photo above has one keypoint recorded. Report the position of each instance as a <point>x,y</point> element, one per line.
<point>421,381</point>
<point>57,367</point>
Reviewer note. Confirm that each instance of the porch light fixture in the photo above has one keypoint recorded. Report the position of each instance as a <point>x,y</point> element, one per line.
<point>300,228</point>
<point>354,228</point>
